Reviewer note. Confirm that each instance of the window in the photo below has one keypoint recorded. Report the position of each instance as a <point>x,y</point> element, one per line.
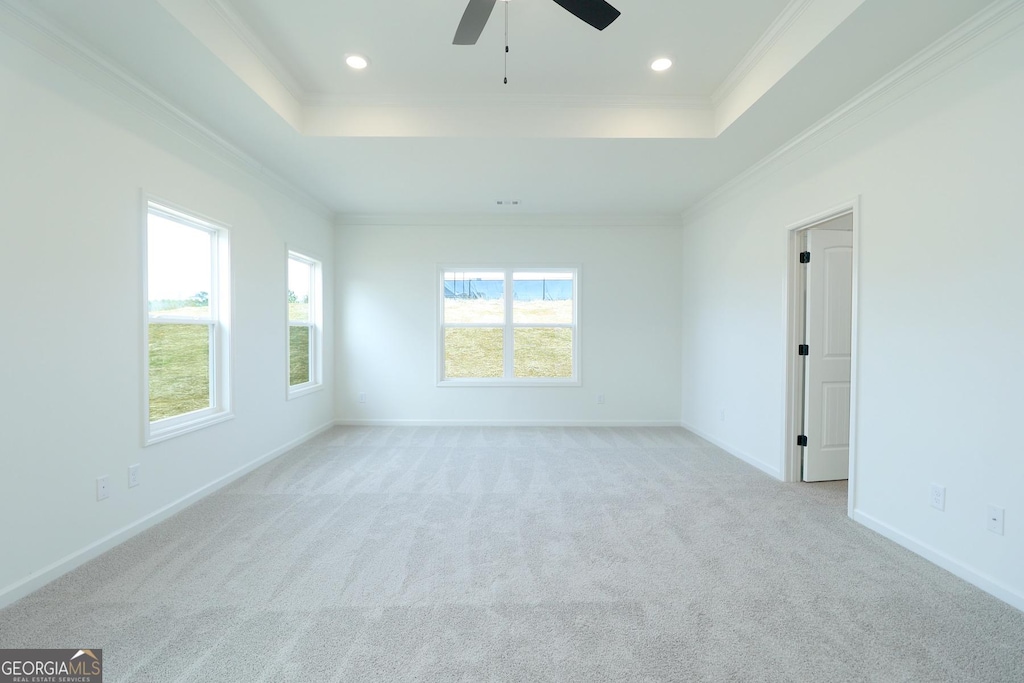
<point>489,337</point>
<point>305,288</point>
<point>186,281</point>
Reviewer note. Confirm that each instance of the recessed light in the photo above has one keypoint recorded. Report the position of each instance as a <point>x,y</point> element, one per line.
<point>661,64</point>
<point>356,61</point>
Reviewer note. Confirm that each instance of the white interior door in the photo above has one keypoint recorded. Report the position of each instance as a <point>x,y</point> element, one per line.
<point>827,370</point>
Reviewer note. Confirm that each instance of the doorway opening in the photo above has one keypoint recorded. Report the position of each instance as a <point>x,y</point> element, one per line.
<point>821,349</point>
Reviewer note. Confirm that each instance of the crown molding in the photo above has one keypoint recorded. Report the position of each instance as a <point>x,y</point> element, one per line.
<point>234,21</point>
<point>510,219</point>
<point>40,34</point>
<point>689,102</point>
<point>982,31</point>
<point>766,42</point>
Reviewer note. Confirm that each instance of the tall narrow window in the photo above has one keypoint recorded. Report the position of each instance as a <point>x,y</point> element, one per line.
<point>509,326</point>
<point>186,368</point>
<point>543,324</point>
<point>474,325</point>
<point>305,290</point>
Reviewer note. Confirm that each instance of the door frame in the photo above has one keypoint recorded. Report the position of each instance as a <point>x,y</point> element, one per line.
<point>796,284</point>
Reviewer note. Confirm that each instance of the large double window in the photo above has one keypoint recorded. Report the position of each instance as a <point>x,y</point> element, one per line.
<point>305,315</point>
<point>187,312</point>
<point>508,326</point>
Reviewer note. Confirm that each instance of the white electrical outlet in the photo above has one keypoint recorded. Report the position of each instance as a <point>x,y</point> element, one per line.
<point>362,398</point>
<point>938,497</point>
<point>721,416</point>
<point>995,519</point>
<point>102,487</point>
<point>600,399</point>
<point>133,475</point>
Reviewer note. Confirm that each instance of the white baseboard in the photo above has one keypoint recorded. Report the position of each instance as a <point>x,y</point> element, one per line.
<point>344,422</point>
<point>40,578</point>
<point>735,452</point>
<point>956,567</point>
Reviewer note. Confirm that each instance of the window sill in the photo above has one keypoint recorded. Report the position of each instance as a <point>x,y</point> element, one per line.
<point>169,432</point>
<point>304,389</point>
<point>521,383</point>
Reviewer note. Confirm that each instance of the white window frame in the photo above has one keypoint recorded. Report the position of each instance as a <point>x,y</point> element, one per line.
<point>509,327</point>
<point>219,324</point>
<point>315,325</point>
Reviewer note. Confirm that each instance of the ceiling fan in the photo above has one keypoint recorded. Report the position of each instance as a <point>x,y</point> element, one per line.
<point>597,13</point>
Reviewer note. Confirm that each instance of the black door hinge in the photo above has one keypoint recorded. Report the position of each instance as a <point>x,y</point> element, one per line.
<point>805,257</point>
<point>805,350</point>
<point>801,440</point>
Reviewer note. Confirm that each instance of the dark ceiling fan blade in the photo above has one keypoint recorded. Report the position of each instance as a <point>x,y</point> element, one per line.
<point>597,13</point>
<point>473,21</point>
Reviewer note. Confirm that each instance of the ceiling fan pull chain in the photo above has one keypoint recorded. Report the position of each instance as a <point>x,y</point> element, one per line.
<point>506,43</point>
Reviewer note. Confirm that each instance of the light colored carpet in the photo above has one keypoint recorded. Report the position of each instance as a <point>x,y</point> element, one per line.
<point>457,554</point>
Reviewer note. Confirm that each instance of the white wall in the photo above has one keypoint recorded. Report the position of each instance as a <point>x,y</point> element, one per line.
<point>940,309</point>
<point>73,164</point>
<point>629,323</point>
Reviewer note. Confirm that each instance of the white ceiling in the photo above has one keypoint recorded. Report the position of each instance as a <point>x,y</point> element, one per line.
<point>583,128</point>
<point>551,52</point>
